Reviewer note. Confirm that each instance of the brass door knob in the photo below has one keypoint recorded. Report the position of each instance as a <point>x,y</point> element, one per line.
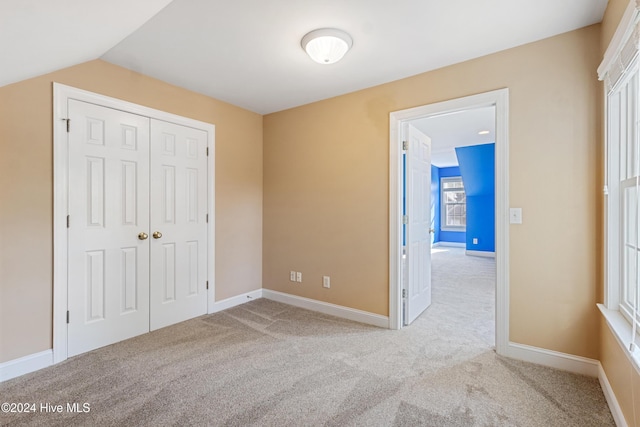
<point>143,236</point>
<point>157,234</point>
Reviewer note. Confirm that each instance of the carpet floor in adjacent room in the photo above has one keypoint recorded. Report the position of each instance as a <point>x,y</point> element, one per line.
<point>269,364</point>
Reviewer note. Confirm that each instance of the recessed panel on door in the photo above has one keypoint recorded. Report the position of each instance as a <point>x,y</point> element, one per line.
<point>130,279</point>
<point>129,193</point>
<point>94,286</point>
<point>168,269</point>
<point>95,180</point>
<point>168,193</point>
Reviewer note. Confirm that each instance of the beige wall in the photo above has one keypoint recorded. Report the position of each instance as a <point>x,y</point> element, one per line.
<point>619,369</point>
<point>621,375</point>
<point>26,192</point>
<point>326,187</point>
<point>612,16</point>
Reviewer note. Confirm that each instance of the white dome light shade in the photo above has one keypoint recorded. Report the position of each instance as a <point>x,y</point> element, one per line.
<point>327,45</point>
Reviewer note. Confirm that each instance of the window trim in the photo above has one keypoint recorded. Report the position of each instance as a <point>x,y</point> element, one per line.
<point>443,204</point>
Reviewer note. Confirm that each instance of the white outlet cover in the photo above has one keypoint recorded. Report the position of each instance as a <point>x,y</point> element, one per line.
<point>299,277</point>
<point>326,281</point>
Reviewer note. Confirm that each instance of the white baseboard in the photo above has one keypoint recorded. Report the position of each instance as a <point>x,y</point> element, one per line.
<point>485,254</point>
<point>571,363</point>
<point>234,301</point>
<point>328,308</point>
<point>553,359</point>
<point>450,244</point>
<point>24,365</point>
<point>612,401</point>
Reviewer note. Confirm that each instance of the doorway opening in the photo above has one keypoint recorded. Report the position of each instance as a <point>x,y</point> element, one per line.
<point>400,124</point>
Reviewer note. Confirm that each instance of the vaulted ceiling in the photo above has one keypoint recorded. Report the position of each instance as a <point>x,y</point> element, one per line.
<point>248,53</point>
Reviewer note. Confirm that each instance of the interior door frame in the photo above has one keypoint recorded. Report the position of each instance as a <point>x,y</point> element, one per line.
<point>500,99</point>
<point>61,95</point>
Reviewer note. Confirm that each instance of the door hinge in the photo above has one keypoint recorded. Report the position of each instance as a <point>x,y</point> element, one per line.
<point>404,293</point>
<point>207,284</point>
<point>405,145</point>
<point>68,125</point>
<point>207,151</point>
<point>67,221</point>
<point>67,316</point>
<point>207,218</point>
<point>405,219</point>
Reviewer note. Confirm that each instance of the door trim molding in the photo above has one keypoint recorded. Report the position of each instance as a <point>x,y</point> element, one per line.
<point>500,99</point>
<point>61,95</point>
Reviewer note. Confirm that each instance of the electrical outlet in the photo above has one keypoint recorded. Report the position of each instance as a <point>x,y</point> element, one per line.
<point>326,281</point>
<point>475,240</point>
<point>292,276</point>
<point>299,277</point>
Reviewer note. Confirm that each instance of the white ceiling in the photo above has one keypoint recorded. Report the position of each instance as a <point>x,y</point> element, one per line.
<point>40,36</point>
<point>458,129</point>
<point>247,52</point>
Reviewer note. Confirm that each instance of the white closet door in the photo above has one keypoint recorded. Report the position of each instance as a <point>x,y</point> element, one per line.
<point>108,282</point>
<point>178,223</point>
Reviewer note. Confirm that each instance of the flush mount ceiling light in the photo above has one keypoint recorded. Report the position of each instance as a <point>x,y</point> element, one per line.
<point>326,45</point>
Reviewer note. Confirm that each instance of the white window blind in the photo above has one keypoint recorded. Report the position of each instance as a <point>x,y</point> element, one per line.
<point>623,60</point>
<point>623,49</point>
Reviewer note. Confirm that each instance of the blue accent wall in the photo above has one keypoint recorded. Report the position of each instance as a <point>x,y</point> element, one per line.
<point>435,203</point>
<point>443,236</point>
<point>450,171</point>
<point>477,168</point>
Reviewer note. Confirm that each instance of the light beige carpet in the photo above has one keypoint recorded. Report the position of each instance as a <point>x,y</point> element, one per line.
<point>269,364</point>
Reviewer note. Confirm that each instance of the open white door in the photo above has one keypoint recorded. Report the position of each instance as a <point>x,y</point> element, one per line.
<point>418,242</point>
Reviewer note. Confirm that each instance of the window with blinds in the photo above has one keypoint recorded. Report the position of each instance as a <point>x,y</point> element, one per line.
<point>620,71</point>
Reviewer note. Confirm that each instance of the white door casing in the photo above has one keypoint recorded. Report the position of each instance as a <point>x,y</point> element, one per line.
<point>418,243</point>
<point>108,207</point>
<point>178,213</point>
<point>500,99</point>
<point>64,97</point>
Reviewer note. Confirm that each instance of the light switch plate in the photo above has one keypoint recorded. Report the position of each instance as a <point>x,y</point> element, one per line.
<point>515,215</point>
